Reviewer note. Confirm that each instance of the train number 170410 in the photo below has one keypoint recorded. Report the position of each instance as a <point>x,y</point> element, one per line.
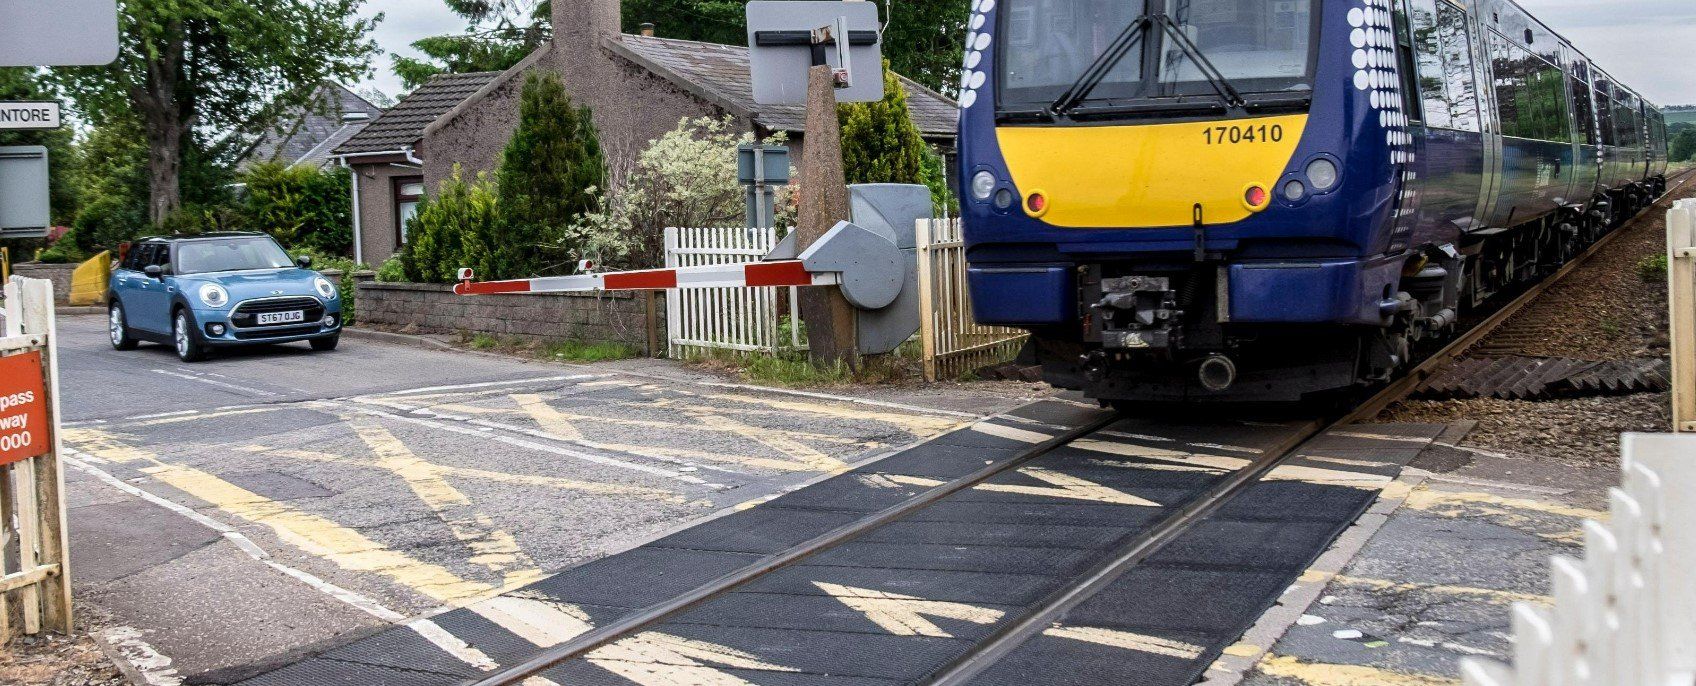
<point>1222,135</point>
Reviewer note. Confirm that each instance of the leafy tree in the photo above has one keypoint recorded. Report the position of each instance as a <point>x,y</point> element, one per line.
<point>880,143</point>
<point>228,67</point>
<point>501,33</point>
<point>924,41</point>
<point>300,206</point>
<point>548,176</point>
<point>1683,146</point>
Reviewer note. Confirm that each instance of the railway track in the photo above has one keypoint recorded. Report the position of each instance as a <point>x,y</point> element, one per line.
<point>1017,629</point>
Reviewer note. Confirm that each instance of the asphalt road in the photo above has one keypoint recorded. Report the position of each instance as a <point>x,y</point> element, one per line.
<point>235,514</point>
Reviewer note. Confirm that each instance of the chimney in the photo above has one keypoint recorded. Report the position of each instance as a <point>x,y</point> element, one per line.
<point>648,29</point>
<point>350,117</point>
<point>579,25</point>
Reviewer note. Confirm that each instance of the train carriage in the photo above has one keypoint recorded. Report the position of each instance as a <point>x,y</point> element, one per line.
<point>1269,200</point>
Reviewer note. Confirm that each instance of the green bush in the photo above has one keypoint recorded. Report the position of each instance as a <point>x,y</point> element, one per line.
<point>108,220</point>
<point>301,206</point>
<point>880,143</point>
<point>548,174</point>
<point>391,270</point>
<point>62,251</point>
<point>450,230</point>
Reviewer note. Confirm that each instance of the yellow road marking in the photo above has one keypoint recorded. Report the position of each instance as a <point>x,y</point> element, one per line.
<point>1183,457</point>
<point>914,422</point>
<point>495,548</point>
<point>620,490</point>
<point>1128,641</point>
<point>671,426</point>
<point>656,659</point>
<point>1323,674</point>
<point>560,425</point>
<point>902,615</point>
<point>312,533</point>
<point>1438,501</point>
<point>1010,433</point>
<point>801,456</point>
<point>1063,486</point>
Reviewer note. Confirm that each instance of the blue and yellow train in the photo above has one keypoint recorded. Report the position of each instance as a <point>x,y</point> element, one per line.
<point>1269,200</point>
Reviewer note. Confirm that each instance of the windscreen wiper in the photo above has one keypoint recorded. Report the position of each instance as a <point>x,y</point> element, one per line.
<point>1129,38</point>
<point>1212,73</point>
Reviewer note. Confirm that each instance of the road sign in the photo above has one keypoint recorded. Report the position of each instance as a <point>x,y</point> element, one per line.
<point>787,37</point>
<point>25,206</point>
<point>58,33</point>
<point>30,116</point>
<point>23,409</point>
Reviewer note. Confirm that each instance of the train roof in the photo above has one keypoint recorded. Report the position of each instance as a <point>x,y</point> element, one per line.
<point>1570,45</point>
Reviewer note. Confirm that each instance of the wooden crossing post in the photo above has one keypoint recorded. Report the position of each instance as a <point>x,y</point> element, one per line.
<point>1681,297</point>
<point>824,201</point>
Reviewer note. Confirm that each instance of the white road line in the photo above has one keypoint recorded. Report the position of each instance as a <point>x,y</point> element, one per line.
<point>155,669</point>
<point>487,384</point>
<point>76,459</point>
<point>533,445</point>
<point>213,382</point>
<point>451,644</point>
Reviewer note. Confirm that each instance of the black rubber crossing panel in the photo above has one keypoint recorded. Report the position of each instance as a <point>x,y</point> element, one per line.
<point>639,577</point>
<point>760,530</point>
<point>403,649</point>
<point>977,588</point>
<point>1297,501</point>
<point>851,492</point>
<point>1059,413</point>
<point>1052,659</point>
<point>1209,601</point>
<point>607,673</point>
<point>1052,512</point>
<point>1046,561</point>
<point>1280,546</point>
<point>940,461</point>
<point>973,438</point>
<point>827,652</point>
<point>319,671</point>
<point>816,612</point>
<point>1002,534</point>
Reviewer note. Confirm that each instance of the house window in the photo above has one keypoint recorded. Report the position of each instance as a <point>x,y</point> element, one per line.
<point>408,191</point>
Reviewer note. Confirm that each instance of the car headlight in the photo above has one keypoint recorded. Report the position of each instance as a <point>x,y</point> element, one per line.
<point>1322,173</point>
<point>983,185</point>
<point>214,295</point>
<point>325,288</point>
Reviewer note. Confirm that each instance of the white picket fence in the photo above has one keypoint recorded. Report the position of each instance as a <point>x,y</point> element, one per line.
<point>1625,615</point>
<point>1681,289</point>
<point>738,319</point>
<point>954,343</point>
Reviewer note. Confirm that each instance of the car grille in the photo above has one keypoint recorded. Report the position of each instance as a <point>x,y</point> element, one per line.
<point>277,332</point>
<point>245,315</point>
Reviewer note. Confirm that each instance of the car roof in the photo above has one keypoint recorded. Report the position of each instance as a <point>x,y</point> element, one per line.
<point>201,236</point>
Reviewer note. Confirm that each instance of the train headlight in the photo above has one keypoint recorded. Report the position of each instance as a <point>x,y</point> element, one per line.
<point>1322,173</point>
<point>983,185</point>
<point>1294,191</point>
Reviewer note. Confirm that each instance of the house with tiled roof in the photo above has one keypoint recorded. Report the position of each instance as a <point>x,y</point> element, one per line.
<point>638,86</point>
<point>387,157</point>
<point>308,134</point>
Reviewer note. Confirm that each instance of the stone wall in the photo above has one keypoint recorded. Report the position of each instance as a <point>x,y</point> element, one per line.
<point>615,317</point>
<point>59,274</point>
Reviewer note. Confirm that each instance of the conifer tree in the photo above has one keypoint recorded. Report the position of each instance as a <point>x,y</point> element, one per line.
<point>880,143</point>
<point>549,174</point>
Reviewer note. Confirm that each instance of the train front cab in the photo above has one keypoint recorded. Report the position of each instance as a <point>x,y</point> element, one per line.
<point>1284,217</point>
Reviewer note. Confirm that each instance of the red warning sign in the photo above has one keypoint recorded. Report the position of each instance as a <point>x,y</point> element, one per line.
<point>23,409</point>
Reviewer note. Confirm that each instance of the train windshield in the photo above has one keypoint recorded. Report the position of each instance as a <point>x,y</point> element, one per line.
<point>1153,50</point>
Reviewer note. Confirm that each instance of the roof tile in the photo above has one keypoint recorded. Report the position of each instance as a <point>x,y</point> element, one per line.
<point>403,125</point>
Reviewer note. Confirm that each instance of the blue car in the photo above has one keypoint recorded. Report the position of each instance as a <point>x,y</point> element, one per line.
<point>197,293</point>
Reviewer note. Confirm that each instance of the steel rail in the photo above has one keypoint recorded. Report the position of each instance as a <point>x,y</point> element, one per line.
<point>660,612</point>
<point>1011,635</point>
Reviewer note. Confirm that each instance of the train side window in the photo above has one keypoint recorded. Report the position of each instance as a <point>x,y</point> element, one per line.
<point>1530,93</point>
<point>1506,66</point>
<point>1457,70</point>
<point>1605,115</point>
<point>1428,52</point>
<point>1405,64</point>
<point>1584,112</point>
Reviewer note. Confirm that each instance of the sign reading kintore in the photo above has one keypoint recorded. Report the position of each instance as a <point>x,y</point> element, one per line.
<point>23,409</point>
<point>16,116</point>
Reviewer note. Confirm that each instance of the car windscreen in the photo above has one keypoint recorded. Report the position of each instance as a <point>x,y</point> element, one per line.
<point>229,255</point>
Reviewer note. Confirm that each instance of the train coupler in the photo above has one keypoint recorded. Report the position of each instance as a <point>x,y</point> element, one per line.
<point>1138,313</point>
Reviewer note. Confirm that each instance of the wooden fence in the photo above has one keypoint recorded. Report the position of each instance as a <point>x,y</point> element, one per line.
<point>954,343</point>
<point>1626,614</point>
<point>739,319</point>
<point>1681,290</point>
<point>35,587</point>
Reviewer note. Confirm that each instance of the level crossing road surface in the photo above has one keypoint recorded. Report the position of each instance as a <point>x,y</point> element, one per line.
<point>269,505</point>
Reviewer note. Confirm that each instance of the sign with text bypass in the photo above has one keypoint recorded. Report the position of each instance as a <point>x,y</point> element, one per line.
<point>30,116</point>
<point>23,409</point>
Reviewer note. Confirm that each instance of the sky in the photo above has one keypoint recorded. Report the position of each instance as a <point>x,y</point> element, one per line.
<point>1643,43</point>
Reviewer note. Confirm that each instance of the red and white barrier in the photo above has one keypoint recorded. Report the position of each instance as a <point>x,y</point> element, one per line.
<point>750,274</point>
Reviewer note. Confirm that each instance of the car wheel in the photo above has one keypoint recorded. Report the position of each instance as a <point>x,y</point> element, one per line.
<point>182,336</point>
<point>119,328</point>
<point>326,343</point>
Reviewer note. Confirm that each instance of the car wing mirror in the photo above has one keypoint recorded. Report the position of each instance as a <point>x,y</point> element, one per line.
<point>154,271</point>
<point>305,261</point>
